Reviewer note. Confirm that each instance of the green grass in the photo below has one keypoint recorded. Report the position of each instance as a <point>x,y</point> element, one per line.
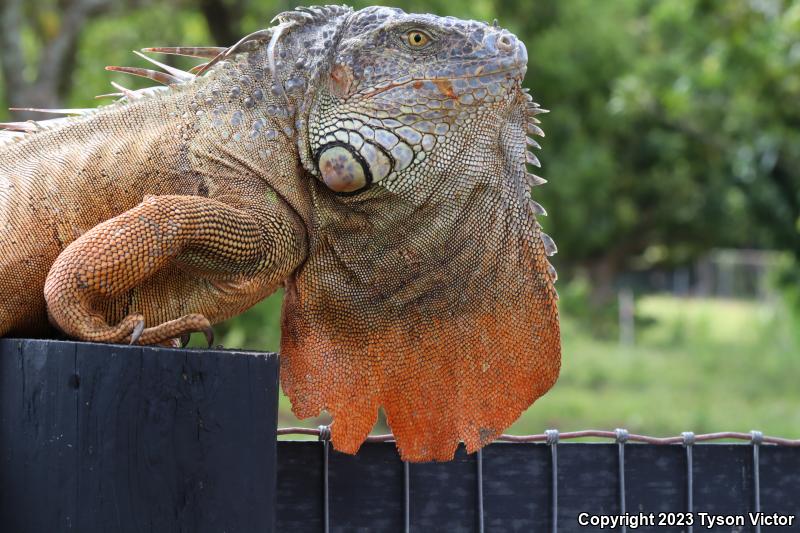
<point>698,365</point>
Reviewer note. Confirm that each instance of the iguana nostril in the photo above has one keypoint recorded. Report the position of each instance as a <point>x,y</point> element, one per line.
<point>505,43</point>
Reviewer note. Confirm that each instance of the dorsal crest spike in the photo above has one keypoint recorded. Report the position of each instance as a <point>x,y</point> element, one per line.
<point>175,72</point>
<point>532,160</point>
<point>160,77</point>
<point>20,127</point>
<point>533,129</point>
<point>534,180</point>
<point>298,16</point>
<point>304,14</point>
<point>532,110</point>
<point>260,35</point>
<point>550,247</point>
<point>273,42</point>
<point>201,52</point>
<point>537,208</point>
<point>129,94</point>
<point>109,95</point>
<point>80,111</point>
<point>552,271</point>
<point>530,141</point>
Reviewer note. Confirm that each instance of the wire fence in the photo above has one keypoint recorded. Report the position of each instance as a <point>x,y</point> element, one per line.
<point>552,438</point>
<point>588,433</point>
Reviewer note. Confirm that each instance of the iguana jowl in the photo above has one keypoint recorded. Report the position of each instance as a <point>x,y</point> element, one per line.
<point>372,162</point>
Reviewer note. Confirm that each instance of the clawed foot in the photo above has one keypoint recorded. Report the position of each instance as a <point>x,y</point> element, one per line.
<point>186,337</point>
<point>180,328</point>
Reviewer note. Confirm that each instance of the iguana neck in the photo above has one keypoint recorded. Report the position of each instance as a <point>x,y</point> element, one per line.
<point>249,113</point>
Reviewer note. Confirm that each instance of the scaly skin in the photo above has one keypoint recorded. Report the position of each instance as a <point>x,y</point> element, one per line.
<point>157,216</point>
<point>372,162</point>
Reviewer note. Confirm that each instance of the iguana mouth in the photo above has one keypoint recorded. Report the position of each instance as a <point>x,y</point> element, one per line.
<point>369,93</point>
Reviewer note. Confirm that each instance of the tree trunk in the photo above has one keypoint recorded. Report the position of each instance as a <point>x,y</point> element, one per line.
<point>602,273</point>
<point>224,20</point>
<point>57,56</point>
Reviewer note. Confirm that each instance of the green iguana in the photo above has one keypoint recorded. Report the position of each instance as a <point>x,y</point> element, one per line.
<point>371,162</point>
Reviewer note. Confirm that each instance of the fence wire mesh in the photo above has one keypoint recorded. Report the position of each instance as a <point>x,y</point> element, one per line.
<point>588,433</point>
<point>552,438</point>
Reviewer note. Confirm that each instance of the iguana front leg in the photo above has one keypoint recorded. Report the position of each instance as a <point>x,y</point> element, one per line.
<point>174,263</point>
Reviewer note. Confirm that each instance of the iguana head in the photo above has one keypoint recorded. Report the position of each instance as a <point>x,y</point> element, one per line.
<point>427,288</point>
<point>404,95</point>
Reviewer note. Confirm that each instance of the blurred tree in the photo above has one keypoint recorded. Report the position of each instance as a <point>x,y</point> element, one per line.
<point>674,125</point>
<point>672,130</point>
<point>55,26</point>
<point>224,19</point>
<point>729,86</point>
<point>747,74</point>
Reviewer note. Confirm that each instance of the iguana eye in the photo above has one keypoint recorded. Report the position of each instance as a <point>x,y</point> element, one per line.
<point>417,38</point>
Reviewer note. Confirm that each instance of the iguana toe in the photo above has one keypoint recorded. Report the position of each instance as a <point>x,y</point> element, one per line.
<point>209,333</point>
<point>137,331</point>
<point>181,328</point>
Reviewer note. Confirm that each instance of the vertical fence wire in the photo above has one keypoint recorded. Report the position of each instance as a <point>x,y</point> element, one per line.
<point>552,439</point>
<point>325,438</point>
<point>479,476</point>
<point>406,497</point>
<point>688,442</point>
<point>622,438</point>
<point>552,436</point>
<point>757,439</point>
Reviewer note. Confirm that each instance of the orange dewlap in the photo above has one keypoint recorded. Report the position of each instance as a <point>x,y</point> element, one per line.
<point>464,377</point>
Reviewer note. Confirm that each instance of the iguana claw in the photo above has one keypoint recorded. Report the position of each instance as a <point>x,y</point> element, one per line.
<point>137,331</point>
<point>209,333</point>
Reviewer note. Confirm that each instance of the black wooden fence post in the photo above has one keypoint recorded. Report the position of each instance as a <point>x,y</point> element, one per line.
<point>98,438</point>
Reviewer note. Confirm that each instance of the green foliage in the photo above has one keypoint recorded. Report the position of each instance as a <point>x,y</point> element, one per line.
<point>634,153</point>
<point>785,281</point>
<point>675,129</point>
<point>109,41</point>
<point>257,329</point>
<point>575,302</point>
<point>672,126</point>
<point>704,365</point>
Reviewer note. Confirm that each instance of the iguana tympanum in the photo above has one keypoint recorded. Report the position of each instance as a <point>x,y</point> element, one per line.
<point>371,162</point>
